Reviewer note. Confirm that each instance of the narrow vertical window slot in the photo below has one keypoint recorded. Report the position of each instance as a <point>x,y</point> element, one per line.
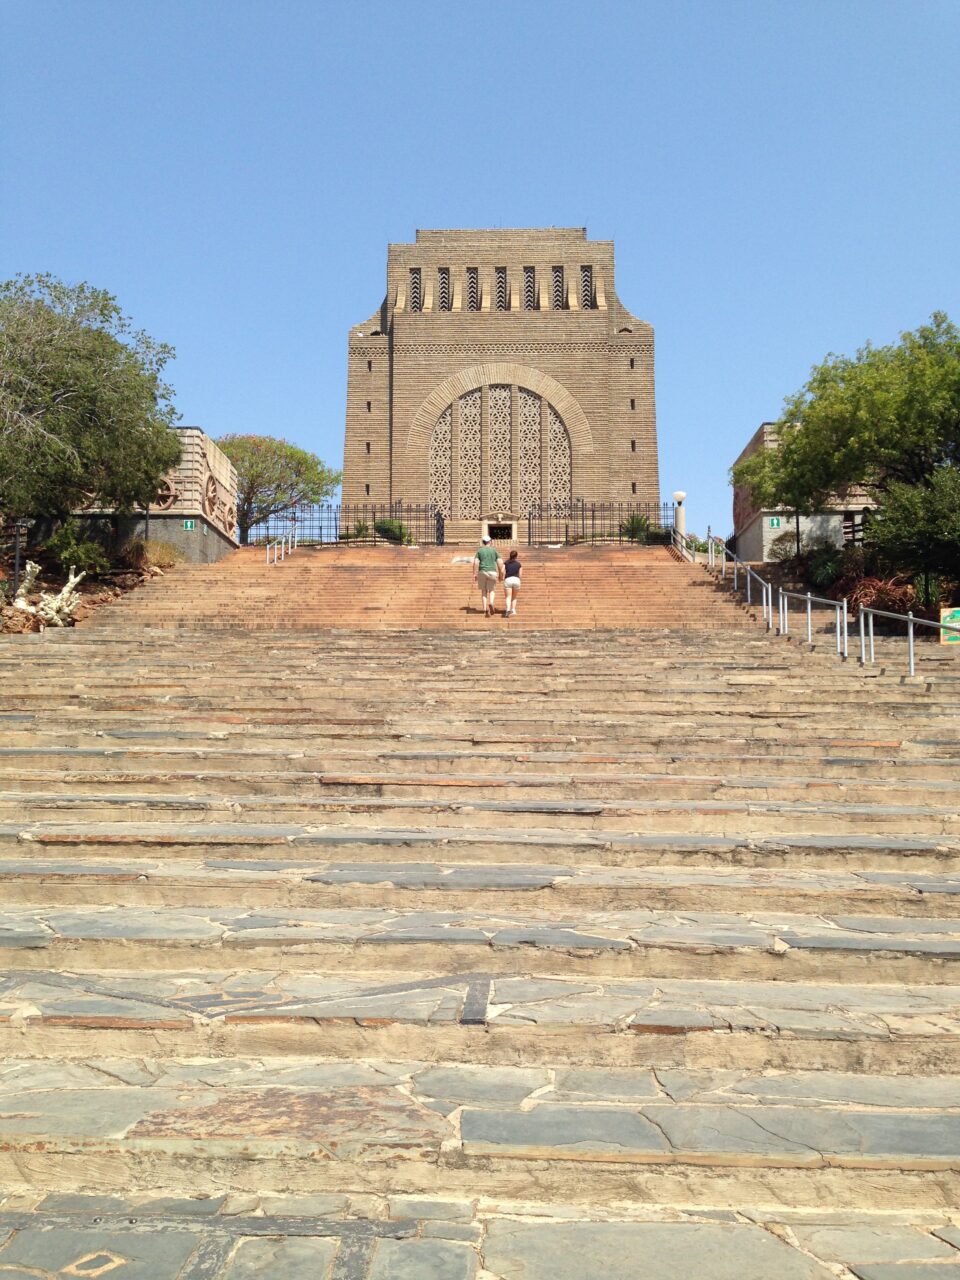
<point>529,288</point>
<point>416,289</point>
<point>586,288</point>
<point>556,289</point>
<point>502,297</point>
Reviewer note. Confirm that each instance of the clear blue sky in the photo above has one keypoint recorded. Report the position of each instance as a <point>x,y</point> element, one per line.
<point>781,180</point>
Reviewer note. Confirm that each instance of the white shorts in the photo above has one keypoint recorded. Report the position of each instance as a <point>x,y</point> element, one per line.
<point>512,583</point>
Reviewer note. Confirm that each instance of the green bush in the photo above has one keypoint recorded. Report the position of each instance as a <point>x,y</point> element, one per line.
<point>73,547</point>
<point>824,566</point>
<point>635,528</point>
<point>392,531</point>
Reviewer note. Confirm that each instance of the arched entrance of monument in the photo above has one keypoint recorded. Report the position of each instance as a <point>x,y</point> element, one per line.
<point>498,452</point>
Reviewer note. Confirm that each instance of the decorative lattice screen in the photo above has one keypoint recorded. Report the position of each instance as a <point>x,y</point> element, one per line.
<point>469,503</point>
<point>441,473</point>
<point>559,463</point>
<point>500,446</point>
<point>530,456</point>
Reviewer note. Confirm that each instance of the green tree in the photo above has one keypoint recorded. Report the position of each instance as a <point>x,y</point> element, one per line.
<point>917,526</point>
<point>85,415</point>
<point>887,416</point>
<point>273,476</point>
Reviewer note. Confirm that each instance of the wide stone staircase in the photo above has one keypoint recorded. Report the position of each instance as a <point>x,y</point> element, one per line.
<point>430,587</point>
<point>366,954</point>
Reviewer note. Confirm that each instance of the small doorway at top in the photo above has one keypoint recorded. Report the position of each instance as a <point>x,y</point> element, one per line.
<point>501,532</point>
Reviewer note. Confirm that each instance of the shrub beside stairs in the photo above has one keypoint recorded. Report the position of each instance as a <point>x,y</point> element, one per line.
<point>532,953</point>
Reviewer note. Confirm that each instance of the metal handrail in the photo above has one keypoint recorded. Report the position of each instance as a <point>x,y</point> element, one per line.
<point>911,622</point>
<point>282,547</point>
<point>841,616</point>
<point>682,544</point>
<point>715,544</point>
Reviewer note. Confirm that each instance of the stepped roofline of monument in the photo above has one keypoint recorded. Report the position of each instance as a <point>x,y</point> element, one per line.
<point>427,233</point>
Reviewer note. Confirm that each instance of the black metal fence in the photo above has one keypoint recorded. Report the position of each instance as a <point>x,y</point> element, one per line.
<point>643,522</point>
<point>364,523</point>
<point>422,524</point>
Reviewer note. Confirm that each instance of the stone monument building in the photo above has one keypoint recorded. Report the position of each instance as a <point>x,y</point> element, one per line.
<point>501,373</point>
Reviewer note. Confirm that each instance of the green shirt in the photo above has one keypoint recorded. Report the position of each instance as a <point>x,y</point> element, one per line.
<point>488,557</point>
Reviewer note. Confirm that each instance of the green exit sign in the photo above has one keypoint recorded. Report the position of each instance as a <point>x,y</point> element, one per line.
<point>189,524</point>
<point>774,522</point>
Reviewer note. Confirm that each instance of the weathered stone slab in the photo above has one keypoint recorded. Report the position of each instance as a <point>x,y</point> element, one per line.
<point>561,1131</point>
<point>127,1256</point>
<point>655,1251</point>
<point>479,1086</point>
<point>419,1259</point>
<point>259,1259</point>
<point>864,1243</point>
<point>905,1271</point>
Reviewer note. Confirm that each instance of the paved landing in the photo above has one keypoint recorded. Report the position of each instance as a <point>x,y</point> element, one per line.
<point>364,1237</point>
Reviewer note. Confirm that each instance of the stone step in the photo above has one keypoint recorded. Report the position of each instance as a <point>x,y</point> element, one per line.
<point>244,840</point>
<point>138,881</point>
<point>287,763</point>
<point>715,817</point>
<point>291,736</point>
<point>474,1016</point>
<point>288,784</point>
<point>401,1128</point>
<point>794,947</point>
<point>233,1236</point>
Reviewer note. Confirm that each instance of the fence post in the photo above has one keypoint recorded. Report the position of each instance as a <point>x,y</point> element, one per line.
<point>846,630</point>
<point>910,641</point>
<point>16,557</point>
<point>809,619</point>
<point>863,642</point>
<point>872,656</point>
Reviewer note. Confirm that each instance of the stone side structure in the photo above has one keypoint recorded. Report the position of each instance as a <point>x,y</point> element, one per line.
<point>756,530</point>
<point>501,372</point>
<point>196,506</point>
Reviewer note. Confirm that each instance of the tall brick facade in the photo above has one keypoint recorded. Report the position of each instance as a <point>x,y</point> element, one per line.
<point>500,372</point>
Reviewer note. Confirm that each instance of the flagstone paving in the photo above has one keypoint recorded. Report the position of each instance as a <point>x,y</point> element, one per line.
<point>323,956</point>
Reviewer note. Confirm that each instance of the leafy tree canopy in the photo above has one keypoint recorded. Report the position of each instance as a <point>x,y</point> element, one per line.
<point>887,416</point>
<point>85,415</point>
<point>917,528</point>
<point>273,476</point>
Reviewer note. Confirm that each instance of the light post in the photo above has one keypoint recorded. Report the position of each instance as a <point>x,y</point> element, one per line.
<point>680,517</point>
